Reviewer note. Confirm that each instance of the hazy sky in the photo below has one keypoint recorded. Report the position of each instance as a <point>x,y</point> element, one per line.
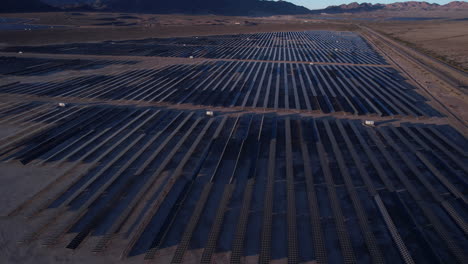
<point>317,4</point>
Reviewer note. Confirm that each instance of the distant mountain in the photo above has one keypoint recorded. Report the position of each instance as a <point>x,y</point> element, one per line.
<point>10,6</point>
<point>69,2</point>
<point>222,7</point>
<point>84,5</point>
<point>457,5</point>
<point>412,5</point>
<point>76,3</point>
<point>400,6</point>
<point>351,8</point>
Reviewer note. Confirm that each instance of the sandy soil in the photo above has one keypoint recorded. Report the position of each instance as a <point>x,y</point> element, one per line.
<point>446,40</point>
<point>15,181</point>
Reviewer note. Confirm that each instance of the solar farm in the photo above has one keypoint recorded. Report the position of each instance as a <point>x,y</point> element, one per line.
<point>286,147</point>
<point>318,46</point>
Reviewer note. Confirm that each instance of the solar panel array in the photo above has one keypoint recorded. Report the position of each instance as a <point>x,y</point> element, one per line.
<point>357,90</point>
<point>284,170</point>
<point>324,189</point>
<point>39,66</point>
<point>311,46</point>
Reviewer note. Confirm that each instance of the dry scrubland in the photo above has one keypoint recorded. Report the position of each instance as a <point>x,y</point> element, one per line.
<point>446,40</point>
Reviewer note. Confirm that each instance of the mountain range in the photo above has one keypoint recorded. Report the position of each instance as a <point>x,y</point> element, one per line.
<point>221,7</point>
<point>399,6</point>
<point>25,6</point>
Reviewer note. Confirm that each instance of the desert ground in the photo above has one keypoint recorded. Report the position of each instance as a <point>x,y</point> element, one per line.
<point>142,138</point>
<point>444,40</point>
